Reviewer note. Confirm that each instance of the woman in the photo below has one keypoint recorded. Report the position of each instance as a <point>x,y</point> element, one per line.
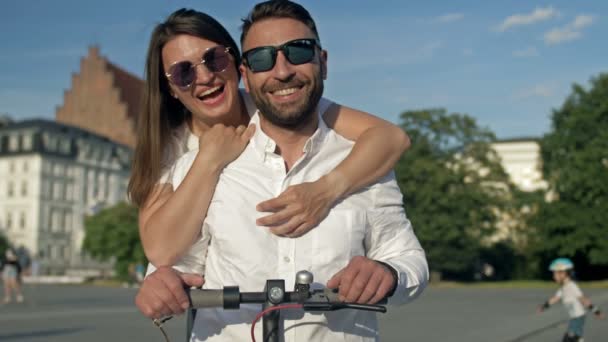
<point>10,276</point>
<point>192,102</point>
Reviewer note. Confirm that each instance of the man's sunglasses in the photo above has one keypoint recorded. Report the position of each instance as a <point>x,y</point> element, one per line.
<point>183,73</point>
<point>263,58</point>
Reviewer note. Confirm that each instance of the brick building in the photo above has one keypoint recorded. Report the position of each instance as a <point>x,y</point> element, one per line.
<point>104,99</point>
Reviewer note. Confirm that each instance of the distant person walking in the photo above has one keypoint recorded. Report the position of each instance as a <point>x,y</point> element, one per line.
<point>572,297</point>
<point>10,276</point>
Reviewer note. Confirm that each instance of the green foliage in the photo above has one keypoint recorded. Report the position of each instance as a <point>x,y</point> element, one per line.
<point>113,233</point>
<point>575,155</point>
<point>453,185</point>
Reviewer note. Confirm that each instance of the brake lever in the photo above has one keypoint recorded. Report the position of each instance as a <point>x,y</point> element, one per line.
<point>339,306</point>
<point>328,300</point>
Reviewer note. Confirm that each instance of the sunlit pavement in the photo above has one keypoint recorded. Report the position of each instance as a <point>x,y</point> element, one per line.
<point>69,313</point>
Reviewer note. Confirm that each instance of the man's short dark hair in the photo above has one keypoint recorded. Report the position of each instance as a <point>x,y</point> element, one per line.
<point>277,9</point>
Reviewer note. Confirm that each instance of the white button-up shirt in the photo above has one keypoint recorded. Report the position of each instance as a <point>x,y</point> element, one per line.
<point>371,222</point>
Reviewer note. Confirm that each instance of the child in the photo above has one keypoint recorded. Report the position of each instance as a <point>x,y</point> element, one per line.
<point>572,297</point>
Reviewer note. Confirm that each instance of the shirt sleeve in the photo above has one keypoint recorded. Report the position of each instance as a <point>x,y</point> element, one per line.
<point>167,175</point>
<point>323,105</point>
<point>390,238</point>
<point>559,293</point>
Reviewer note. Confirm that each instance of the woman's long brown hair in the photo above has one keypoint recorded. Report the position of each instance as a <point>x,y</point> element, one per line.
<point>161,113</point>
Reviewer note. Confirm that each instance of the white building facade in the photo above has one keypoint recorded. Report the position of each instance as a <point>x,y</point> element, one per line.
<point>51,176</point>
<point>522,161</point>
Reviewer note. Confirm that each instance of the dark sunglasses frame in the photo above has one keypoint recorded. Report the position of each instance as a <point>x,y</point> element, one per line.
<point>274,50</point>
<point>204,60</point>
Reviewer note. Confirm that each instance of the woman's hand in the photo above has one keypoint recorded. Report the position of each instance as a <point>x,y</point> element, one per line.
<point>299,208</point>
<point>222,144</point>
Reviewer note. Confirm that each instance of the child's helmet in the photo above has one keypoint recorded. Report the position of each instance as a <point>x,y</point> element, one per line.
<point>561,264</point>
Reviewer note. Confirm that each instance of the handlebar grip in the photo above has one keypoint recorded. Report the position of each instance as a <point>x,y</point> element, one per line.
<point>206,298</point>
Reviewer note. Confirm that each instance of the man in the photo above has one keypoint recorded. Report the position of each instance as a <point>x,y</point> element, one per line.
<point>365,247</point>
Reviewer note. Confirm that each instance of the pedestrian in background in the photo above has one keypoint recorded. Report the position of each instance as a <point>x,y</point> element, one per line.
<point>10,277</point>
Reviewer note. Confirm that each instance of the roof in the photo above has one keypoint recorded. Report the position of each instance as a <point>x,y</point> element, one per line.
<point>130,87</point>
<point>517,139</point>
<point>46,125</point>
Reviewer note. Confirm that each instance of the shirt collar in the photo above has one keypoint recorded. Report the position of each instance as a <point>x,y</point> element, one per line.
<point>264,145</point>
<point>192,142</point>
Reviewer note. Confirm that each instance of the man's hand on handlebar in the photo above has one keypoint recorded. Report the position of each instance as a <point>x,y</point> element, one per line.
<point>162,292</point>
<point>363,281</point>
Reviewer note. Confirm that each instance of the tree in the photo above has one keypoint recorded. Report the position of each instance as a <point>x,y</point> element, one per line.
<point>575,156</point>
<point>113,233</point>
<point>453,187</point>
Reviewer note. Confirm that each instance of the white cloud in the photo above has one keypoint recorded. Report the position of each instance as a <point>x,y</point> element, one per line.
<point>538,15</point>
<point>539,90</point>
<point>582,21</point>
<point>528,52</point>
<point>570,32</point>
<point>449,18</point>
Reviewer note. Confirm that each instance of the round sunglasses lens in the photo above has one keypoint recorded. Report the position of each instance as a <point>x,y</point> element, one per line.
<point>216,59</point>
<point>261,59</point>
<point>300,53</point>
<point>182,74</point>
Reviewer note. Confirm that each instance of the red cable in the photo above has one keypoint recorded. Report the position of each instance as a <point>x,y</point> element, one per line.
<point>269,309</point>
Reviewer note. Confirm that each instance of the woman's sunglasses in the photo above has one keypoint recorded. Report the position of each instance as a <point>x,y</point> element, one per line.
<point>297,52</point>
<point>182,74</point>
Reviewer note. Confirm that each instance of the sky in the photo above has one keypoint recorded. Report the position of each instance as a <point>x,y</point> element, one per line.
<point>508,64</point>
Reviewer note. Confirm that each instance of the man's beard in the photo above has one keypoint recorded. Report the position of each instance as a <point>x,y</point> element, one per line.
<point>291,116</point>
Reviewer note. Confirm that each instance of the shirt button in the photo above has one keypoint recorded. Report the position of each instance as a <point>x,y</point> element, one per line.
<point>286,259</point>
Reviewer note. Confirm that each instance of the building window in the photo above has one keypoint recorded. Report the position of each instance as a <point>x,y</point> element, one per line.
<point>44,226</point>
<point>11,167</point>
<point>101,180</point>
<point>27,142</point>
<point>10,189</point>
<point>54,220</point>
<point>45,189</point>
<point>69,192</point>
<point>47,168</point>
<point>61,222</point>
<point>57,190</point>
<point>26,167</point>
<point>13,143</point>
<point>9,220</point>
<point>22,220</point>
<point>49,218</point>
<point>24,188</point>
<point>68,221</point>
<point>65,145</point>
<point>58,170</point>
<point>65,252</point>
<point>50,142</point>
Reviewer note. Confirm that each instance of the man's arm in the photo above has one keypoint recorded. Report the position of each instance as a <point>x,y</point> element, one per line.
<point>395,262</point>
<point>391,240</point>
